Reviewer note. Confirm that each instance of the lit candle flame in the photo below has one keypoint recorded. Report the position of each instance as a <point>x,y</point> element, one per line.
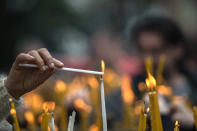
<point>13,111</point>
<point>60,86</point>
<point>29,117</point>
<point>92,81</point>
<point>49,105</point>
<point>10,100</point>
<point>127,93</point>
<point>93,128</point>
<point>164,90</point>
<point>150,81</point>
<point>176,124</point>
<point>147,110</point>
<point>81,105</point>
<point>33,101</point>
<point>102,66</point>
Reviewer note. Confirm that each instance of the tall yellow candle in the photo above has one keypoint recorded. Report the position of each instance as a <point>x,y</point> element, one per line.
<point>45,118</point>
<point>176,128</point>
<point>13,113</point>
<point>94,92</point>
<point>31,121</point>
<point>16,124</point>
<point>156,123</point>
<point>195,115</point>
<point>128,98</point>
<point>149,65</point>
<point>63,120</point>
<point>142,120</point>
<point>84,113</point>
<point>160,68</point>
<point>60,92</point>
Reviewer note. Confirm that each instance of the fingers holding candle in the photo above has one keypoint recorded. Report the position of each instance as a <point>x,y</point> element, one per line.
<point>38,59</point>
<point>49,60</point>
<point>23,58</point>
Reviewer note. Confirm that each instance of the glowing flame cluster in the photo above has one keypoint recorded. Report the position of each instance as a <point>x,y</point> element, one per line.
<point>147,110</point>
<point>29,117</point>
<point>81,105</point>
<point>150,81</point>
<point>10,100</point>
<point>33,101</point>
<point>127,93</point>
<point>93,82</point>
<point>176,124</point>
<point>13,111</point>
<point>50,105</point>
<point>60,86</point>
<point>164,90</point>
<point>94,128</point>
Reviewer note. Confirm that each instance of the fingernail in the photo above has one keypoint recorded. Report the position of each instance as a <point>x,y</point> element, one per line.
<point>43,68</point>
<point>60,63</point>
<point>52,65</point>
<point>31,57</point>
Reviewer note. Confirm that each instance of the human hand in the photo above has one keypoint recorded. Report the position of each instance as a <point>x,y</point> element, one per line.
<point>23,79</point>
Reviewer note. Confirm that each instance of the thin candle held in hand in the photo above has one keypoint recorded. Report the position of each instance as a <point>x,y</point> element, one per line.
<point>66,69</point>
<point>104,117</point>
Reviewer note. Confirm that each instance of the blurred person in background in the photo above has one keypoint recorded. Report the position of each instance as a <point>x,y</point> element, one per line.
<point>22,80</point>
<point>191,67</point>
<point>108,46</point>
<point>159,35</point>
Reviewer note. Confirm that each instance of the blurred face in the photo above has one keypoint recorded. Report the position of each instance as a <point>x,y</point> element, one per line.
<point>151,44</point>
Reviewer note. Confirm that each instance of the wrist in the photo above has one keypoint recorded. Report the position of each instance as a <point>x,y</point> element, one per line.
<point>11,89</point>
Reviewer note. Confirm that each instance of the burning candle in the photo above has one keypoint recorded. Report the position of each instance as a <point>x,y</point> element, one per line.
<point>195,115</point>
<point>16,124</point>
<point>94,128</point>
<point>13,113</point>
<point>45,118</point>
<point>143,117</point>
<point>149,65</point>
<point>176,128</point>
<point>156,123</point>
<point>144,120</point>
<point>60,92</point>
<point>84,113</point>
<point>128,98</point>
<point>103,109</point>
<point>31,121</point>
<point>162,60</point>
<point>93,83</point>
<point>63,120</point>
<point>50,105</point>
